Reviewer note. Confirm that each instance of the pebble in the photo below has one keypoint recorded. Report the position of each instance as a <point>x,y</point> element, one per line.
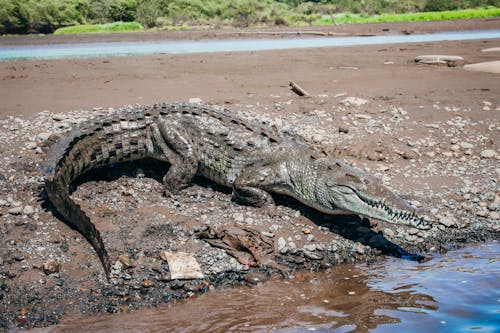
<point>306,231</point>
<point>343,129</point>
<point>51,266</point>
<point>466,145</point>
<point>16,210</point>
<point>43,136</point>
<point>488,153</point>
<point>28,210</point>
<point>125,261</point>
<point>388,232</point>
<point>356,101</point>
<point>59,116</point>
<point>194,100</point>
<point>413,231</point>
<point>147,283</point>
<point>267,234</point>
<point>313,255</point>
<point>310,247</point>
<point>281,244</point>
<point>494,216</point>
<point>448,221</point>
<point>360,249</point>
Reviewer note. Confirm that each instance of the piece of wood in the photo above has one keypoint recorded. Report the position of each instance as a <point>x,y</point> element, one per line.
<point>298,89</point>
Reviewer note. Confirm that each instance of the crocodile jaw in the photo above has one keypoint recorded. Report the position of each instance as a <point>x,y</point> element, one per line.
<point>389,207</point>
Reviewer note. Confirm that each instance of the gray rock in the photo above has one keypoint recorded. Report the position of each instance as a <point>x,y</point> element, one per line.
<point>448,221</point>
<point>388,232</point>
<point>16,210</point>
<point>281,244</point>
<point>436,59</point>
<point>313,255</point>
<point>310,247</point>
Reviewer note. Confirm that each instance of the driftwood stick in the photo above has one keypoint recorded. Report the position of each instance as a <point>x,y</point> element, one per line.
<point>298,89</point>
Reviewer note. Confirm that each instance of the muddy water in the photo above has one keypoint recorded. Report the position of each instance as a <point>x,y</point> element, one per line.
<point>456,292</point>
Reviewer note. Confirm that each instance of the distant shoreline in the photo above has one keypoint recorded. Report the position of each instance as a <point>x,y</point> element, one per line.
<point>274,32</point>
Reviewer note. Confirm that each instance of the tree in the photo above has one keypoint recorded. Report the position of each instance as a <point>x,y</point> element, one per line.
<point>123,10</point>
<point>148,12</point>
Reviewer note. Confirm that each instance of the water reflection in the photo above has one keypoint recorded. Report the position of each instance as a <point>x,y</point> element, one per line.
<point>458,292</point>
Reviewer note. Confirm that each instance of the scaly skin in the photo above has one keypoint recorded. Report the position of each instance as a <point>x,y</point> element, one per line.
<point>223,148</point>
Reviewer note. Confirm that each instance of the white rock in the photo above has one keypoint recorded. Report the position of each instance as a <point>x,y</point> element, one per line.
<point>356,101</point>
<point>488,153</point>
<point>28,210</point>
<point>194,100</point>
<point>466,145</point>
<point>59,116</point>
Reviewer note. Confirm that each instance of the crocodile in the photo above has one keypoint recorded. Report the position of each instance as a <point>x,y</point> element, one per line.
<point>254,159</point>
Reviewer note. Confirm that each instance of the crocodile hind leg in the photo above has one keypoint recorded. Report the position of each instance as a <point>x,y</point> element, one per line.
<point>178,149</point>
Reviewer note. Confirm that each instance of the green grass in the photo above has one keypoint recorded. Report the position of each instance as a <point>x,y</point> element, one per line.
<point>409,17</point>
<point>96,28</point>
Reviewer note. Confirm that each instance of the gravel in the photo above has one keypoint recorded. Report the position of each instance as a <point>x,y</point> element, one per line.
<point>446,167</point>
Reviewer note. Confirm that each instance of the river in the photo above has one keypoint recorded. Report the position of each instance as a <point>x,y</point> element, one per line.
<point>85,50</point>
<point>455,292</point>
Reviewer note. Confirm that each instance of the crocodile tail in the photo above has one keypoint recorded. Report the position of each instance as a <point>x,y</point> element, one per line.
<point>58,193</point>
<point>59,174</point>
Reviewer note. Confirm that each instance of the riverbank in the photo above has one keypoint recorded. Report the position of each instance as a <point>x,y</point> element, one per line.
<point>431,132</point>
<point>275,32</point>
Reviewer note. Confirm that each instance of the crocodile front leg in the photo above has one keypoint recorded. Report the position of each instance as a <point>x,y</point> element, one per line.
<point>179,150</point>
<point>250,186</point>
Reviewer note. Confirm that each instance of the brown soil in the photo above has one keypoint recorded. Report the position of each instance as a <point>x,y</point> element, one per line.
<point>29,87</point>
<point>423,130</point>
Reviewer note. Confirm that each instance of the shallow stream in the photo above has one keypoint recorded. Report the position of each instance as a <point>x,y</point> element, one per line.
<point>85,50</point>
<point>455,292</point>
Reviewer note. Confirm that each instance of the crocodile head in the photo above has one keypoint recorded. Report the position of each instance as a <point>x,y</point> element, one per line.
<point>350,190</point>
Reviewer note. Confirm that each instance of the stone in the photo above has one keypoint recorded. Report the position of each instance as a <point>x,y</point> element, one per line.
<point>360,249</point>
<point>488,153</point>
<point>494,216</point>
<point>437,59</point>
<point>281,244</point>
<point>147,283</point>
<point>388,232</point>
<point>125,261</point>
<point>488,67</point>
<point>310,247</point>
<point>313,255</point>
<point>28,210</point>
<point>59,117</point>
<point>491,49</point>
<point>306,231</point>
<point>354,101</point>
<point>194,100</point>
<point>448,221</point>
<point>51,266</point>
<point>343,129</point>
<point>16,210</point>
<point>466,145</point>
<point>413,231</point>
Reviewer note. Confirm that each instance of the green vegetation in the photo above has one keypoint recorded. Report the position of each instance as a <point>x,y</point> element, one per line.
<point>107,27</point>
<point>409,17</point>
<point>46,16</point>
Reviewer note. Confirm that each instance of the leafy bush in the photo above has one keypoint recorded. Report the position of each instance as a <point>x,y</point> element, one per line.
<point>95,28</point>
